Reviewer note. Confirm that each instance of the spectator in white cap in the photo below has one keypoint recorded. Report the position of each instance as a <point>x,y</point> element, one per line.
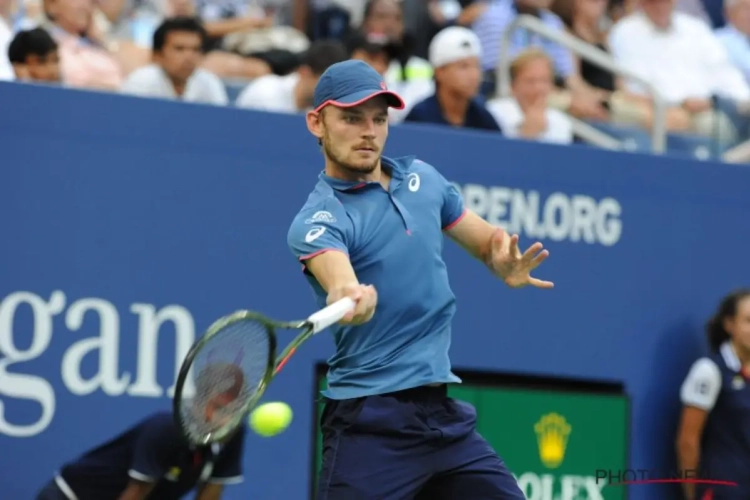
<point>455,54</point>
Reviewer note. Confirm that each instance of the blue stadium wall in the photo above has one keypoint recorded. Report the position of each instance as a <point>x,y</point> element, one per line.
<point>128,225</point>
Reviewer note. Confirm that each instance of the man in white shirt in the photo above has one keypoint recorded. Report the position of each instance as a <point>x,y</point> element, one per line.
<point>685,62</point>
<point>174,74</point>
<point>526,115</point>
<point>293,93</point>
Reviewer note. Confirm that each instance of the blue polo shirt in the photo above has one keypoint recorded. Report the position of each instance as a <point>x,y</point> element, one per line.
<point>152,451</point>
<point>394,240</point>
<point>430,111</point>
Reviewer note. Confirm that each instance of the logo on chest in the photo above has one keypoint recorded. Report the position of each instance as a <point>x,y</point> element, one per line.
<point>413,183</point>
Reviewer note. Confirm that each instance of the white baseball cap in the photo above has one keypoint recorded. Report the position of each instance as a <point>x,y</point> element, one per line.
<point>453,44</point>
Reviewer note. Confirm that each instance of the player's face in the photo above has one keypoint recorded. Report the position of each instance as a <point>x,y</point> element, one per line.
<point>353,138</point>
<point>739,325</point>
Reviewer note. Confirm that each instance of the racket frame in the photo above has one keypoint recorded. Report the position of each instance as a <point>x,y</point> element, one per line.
<point>315,323</point>
<point>215,329</point>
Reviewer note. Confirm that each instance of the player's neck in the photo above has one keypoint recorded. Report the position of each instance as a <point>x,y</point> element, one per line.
<point>377,175</point>
<point>453,107</point>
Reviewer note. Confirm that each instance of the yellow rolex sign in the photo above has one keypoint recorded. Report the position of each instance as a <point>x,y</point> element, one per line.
<point>552,435</point>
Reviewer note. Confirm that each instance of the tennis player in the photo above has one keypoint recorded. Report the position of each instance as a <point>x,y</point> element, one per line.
<point>152,461</point>
<point>714,433</point>
<point>372,229</point>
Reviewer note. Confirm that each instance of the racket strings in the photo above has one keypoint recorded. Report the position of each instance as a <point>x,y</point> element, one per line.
<point>227,374</point>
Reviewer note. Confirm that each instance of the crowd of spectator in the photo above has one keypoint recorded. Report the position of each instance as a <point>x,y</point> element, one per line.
<point>442,56</point>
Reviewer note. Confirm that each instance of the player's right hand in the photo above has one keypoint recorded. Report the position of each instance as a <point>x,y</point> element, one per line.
<point>366,298</point>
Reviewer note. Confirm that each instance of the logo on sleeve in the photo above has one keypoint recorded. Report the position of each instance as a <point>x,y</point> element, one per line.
<point>321,216</point>
<point>314,233</point>
<point>413,183</point>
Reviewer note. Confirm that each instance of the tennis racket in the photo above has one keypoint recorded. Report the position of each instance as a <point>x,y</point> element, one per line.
<point>232,364</point>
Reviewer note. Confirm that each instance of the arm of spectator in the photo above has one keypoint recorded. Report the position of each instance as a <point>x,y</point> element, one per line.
<point>223,27</point>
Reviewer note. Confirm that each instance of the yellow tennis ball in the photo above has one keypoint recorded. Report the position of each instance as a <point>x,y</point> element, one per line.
<point>271,418</point>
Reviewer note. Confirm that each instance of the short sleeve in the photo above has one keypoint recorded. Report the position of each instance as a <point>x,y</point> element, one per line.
<point>228,469</point>
<point>452,209</point>
<point>153,449</point>
<point>702,385</point>
<point>319,228</point>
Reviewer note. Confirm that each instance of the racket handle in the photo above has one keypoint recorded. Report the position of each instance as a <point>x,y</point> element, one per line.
<point>331,314</point>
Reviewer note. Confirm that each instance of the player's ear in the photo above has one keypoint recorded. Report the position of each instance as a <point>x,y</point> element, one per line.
<point>315,123</point>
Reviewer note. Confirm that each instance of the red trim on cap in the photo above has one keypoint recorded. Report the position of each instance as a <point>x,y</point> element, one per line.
<point>374,94</point>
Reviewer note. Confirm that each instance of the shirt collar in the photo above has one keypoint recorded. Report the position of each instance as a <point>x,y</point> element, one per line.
<point>730,357</point>
<point>395,168</point>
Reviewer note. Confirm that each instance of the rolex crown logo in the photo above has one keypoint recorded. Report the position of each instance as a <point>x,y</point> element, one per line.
<point>552,436</point>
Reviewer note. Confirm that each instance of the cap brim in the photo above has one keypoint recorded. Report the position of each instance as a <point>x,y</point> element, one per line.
<point>393,99</point>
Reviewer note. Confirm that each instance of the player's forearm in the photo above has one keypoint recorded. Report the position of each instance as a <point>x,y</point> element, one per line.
<point>332,269</point>
<point>474,235</point>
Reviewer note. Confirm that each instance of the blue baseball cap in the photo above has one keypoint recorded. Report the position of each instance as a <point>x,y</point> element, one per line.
<point>350,83</point>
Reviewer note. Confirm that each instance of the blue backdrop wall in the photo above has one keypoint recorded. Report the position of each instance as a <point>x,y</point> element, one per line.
<point>128,225</point>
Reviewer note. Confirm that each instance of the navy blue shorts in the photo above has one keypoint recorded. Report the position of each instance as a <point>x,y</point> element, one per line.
<point>413,444</point>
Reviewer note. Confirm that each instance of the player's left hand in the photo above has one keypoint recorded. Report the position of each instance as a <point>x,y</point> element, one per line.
<point>507,261</point>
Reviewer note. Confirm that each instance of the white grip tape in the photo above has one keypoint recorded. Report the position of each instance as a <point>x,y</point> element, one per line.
<point>331,314</point>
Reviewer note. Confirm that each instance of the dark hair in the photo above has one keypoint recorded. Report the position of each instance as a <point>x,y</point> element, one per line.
<point>177,24</point>
<point>715,331</point>
<point>370,5</point>
<point>35,42</point>
<point>372,44</point>
<point>322,54</point>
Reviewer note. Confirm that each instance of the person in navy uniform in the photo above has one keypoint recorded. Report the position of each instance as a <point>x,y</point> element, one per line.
<point>714,433</point>
<point>153,461</point>
<point>372,230</point>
